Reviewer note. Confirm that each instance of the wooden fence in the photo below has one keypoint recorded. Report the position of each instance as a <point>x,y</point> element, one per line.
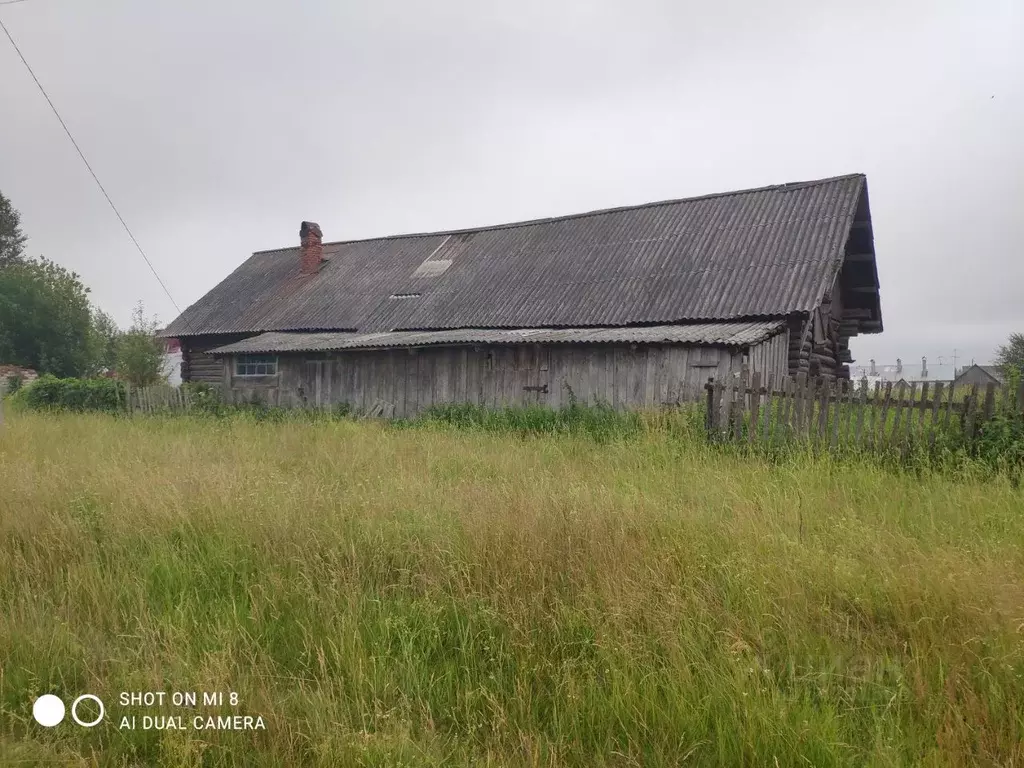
<point>156,399</point>
<point>829,413</point>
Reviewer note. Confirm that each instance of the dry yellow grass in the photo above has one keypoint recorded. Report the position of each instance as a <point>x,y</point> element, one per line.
<point>434,597</point>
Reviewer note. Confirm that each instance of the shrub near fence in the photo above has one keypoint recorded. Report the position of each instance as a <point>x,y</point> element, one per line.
<point>105,395</point>
<point>49,392</point>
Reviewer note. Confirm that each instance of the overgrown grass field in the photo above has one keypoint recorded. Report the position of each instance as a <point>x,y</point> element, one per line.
<point>447,596</point>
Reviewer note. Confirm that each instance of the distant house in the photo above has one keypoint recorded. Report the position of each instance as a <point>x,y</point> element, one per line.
<point>981,375</point>
<point>172,359</point>
<point>633,306</point>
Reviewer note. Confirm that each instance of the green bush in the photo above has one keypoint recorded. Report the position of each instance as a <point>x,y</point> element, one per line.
<point>50,393</point>
<point>13,383</point>
<point>204,397</point>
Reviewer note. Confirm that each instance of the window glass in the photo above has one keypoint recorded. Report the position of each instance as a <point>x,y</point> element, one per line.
<point>255,365</point>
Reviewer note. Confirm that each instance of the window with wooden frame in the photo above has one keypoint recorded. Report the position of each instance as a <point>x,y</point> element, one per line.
<point>255,365</point>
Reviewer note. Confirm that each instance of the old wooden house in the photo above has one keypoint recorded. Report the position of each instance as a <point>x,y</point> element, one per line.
<point>635,307</point>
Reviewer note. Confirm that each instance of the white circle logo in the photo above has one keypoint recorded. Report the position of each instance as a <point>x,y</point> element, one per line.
<point>48,710</point>
<point>74,710</point>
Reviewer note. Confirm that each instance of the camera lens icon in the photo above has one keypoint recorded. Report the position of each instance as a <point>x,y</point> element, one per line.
<point>48,710</point>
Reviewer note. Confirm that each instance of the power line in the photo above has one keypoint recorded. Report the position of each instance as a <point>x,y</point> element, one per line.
<point>82,155</point>
<point>11,2</point>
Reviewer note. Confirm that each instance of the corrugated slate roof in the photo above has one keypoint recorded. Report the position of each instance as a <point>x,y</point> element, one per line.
<point>728,334</point>
<point>750,254</point>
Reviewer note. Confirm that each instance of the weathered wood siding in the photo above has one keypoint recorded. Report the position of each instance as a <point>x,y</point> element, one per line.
<point>413,380</point>
<point>197,365</point>
<point>770,356</point>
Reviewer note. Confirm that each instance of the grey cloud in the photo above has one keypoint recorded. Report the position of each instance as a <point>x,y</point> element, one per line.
<point>218,126</point>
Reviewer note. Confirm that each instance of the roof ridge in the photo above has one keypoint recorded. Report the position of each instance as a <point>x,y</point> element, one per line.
<point>585,214</point>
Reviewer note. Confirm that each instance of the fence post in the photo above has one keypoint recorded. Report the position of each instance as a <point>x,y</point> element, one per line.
<point>969,412</point>
<point>990,400</point>
<point>922,407</point>
<point>950,404</point>
<point>740,405</point>
<point>769,399</point>
<point>937,401</point>
<point>727,395</point>
<point>799,394</point>
<point>755,406</point>
<point>810,398</point>
<point>896,423</point>
<point>709,417</point>
<point>781,427</point>
<point>837,411</point>
<point>883,418</point>
<point>862,406</point>
<point>824,400</point>
<point>907,431</point>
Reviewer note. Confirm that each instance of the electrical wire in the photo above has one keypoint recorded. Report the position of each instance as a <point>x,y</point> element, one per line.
<point>84,160</point>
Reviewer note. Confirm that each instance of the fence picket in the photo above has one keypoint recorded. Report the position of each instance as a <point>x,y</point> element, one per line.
<point>739,388</point>
<point>755,406</point>
<point>936,404</point>
<point>922,407</point>
<point>824,393</point>
<point>848,419</point>
<point>900,389</point>
<point>906,436</point>
<point>798,406</point>
<point>822,411</point>
<point>837,411</point>
<point>862,406</point>
<point>710,412</point>
<point>990,400</point>
<point>781,425</point>
<point>970,411</point>
<point>883,415</point>
<point>810,396</point>
<point>769,407</point>
<point>726,426</point>
<point>778,411</point>
<point>949,406</point>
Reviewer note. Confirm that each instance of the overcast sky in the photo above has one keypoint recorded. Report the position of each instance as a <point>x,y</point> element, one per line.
<point>218,125</point>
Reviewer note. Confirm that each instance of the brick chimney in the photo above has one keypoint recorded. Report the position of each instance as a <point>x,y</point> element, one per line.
<point>312,247</point>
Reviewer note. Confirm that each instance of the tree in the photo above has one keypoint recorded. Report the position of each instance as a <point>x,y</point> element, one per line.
<point>45,317</point>
<point>12,241</point>
<point>140,354</point>
<point>104,339</point>
<point>1012,353</point>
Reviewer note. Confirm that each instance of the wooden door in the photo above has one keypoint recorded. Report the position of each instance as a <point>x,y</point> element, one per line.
<point>312,384</point>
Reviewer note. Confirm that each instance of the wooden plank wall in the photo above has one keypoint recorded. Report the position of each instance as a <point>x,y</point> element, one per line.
<point>771,356</point>
<point>410,381</point>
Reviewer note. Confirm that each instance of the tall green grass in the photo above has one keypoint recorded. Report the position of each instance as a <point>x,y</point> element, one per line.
<point>442,596</point>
